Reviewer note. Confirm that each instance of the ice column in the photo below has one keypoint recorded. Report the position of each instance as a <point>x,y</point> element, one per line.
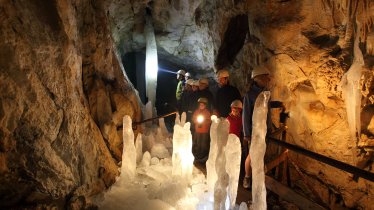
<point>139,148</point>
<point>233,153</point>
<point>182,158</point>
<point>220,187</point>
<point>257,151</point>
<point>128,167</point>
<point>350,85</point>
<point>151,63</point>
<point>210,163</point>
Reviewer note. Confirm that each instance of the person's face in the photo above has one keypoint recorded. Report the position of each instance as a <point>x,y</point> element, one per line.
<point>236,111</point>
<point>202,105</point>
<point>187,77</point>
<point>263,80</point>
<point>202,86</point>
<point>188,87</point>
<point>223,81</point>
<point>179,77</point>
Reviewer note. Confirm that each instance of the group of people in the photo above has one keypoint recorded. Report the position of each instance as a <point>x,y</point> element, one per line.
<point>195,98</point>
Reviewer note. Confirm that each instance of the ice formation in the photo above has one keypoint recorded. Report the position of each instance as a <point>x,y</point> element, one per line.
<point>164,181</point>
<point>129,152</point>
<point>151,63</point>
<point>350,85</point>
<point>233,153</point>
<point>220,187</point>
<point>139,149</point>
<point>182,150</point>
<point>257,151</point>
<point>223,169</point>
<point>211,162</point>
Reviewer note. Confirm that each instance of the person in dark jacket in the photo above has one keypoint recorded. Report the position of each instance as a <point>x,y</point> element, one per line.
<point>186,102</point>
<point>226,94</point>
<point>261,80</point>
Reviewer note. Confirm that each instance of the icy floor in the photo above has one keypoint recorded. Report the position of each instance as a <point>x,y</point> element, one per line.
<point>154,187</point>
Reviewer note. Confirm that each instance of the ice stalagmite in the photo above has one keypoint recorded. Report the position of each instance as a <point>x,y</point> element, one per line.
<point>257,151</point>
<point>128,168</point>
<point>350,85</point>
<point>233,153</point>
<point>220,187</point>
<point>210,164</point>
<point>139,148</point>
<point>182,157</point>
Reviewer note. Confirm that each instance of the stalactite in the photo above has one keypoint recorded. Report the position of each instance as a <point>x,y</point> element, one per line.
<point>354,9</point>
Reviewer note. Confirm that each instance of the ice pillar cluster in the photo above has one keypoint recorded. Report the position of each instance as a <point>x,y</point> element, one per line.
<point>182,157</point>
<point>257,151</point>
<point>223,165</point>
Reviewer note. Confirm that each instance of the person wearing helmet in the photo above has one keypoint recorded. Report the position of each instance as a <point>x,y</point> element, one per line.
<point>201,138</point>
<point>186,103</point>
<point>187,90</point>
<point>187,76</point>
<point>204,92</point>
<point>180,87</point>
<point>261,80</point>
<point>236,127</point>
<point>235,118</point>
<point>225,94</point>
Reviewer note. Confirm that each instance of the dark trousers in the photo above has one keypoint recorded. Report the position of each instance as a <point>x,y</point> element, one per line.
<point>202,141</point>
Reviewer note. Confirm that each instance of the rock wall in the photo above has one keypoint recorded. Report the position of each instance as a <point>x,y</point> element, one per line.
<point>63,94</point>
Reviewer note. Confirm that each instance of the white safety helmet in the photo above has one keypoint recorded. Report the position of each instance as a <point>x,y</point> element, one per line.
<point>259,70</point>
<point>187,74</point>
<point>237,104</point>
<point>202,100</point>
<point>222,73</point>
<point>181,72</point>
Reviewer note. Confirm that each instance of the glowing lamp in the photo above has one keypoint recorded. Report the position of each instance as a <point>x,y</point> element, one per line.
<point>200,118</point>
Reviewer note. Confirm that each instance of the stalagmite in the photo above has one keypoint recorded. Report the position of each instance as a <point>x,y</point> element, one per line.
<point>257,151</point>
<point>139,148</point>
<point>233,153</point>
<point>350,85</point>
<point>182,157</point>
<point>210,164</point>
<point>128,168</point>
<point>220,187</point>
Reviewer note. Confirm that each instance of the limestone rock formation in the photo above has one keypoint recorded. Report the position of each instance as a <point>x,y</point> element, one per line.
<point>62,90</point>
